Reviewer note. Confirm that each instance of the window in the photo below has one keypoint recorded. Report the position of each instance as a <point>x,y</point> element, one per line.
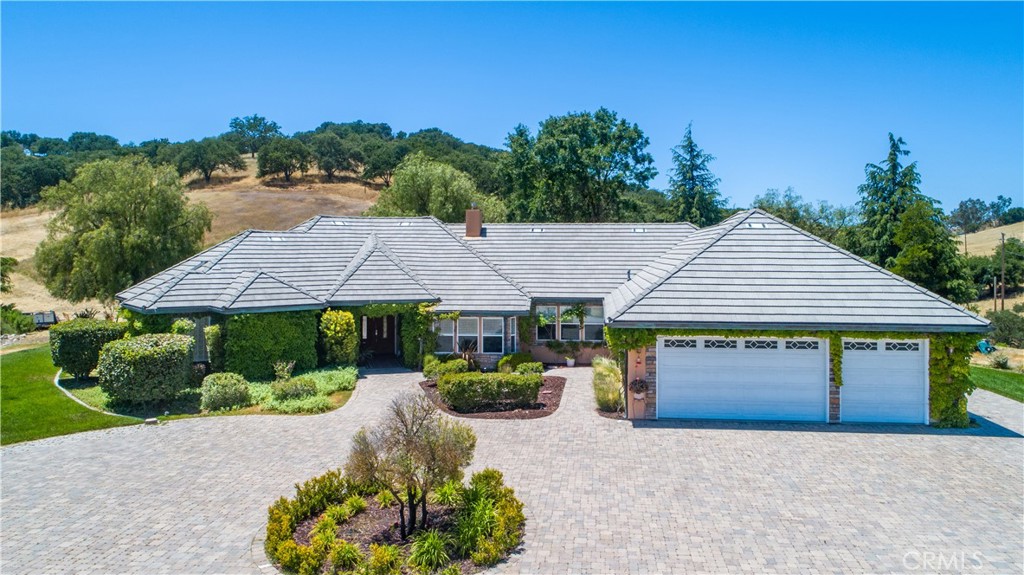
<point>493,329</point>
<point>801,345</point>
<point>469,333</point>
<point>902,346</point>
<point>860,345</point>
<point>513,332</point>
<point>760,344</point>
<point>720,344</point>
<point>569,327</point>
<point>684,343</point>
<point>445,329</point>
<point>593,323</point>
<point>546,317</point>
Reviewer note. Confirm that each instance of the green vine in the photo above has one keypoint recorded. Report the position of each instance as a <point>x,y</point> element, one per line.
<point>415,327</point>
<point>526,325</point>
<point>949,359</point>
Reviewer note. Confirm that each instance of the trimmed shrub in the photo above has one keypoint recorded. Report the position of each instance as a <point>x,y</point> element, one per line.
<point>475,391</point>
<point>146,369</point>
<point>183,326</point>
<point>143,323</point>
<point>339,337</point>
<point>452,366</point>
<point>311,498</point>
<point>607,385</point>
<point>75,345</point>
<point>215,346</point>
<point>255,341</point>
<point>294,388</point>
<point>510,362</point>
<point>225,391</point>
<point>534,367</point>
<point>430,364</point>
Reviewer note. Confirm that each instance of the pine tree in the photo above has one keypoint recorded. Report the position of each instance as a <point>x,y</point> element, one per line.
<point>694,189</point>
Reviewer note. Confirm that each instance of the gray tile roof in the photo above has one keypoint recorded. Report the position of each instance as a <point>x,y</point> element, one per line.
<point>757,271</point>
<point>333,261</point>
<point>574,262</point>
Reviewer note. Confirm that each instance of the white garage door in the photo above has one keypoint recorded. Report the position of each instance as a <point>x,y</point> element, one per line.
<point>884,382</point>
<point>767,379</point>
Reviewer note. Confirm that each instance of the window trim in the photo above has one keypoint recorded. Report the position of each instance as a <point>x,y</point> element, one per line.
<point>583,328</point>
<point>500,336</point>
<point>536,328</point>
<point>437,328</point>
<point>458,335</point>
<point>513,334</point>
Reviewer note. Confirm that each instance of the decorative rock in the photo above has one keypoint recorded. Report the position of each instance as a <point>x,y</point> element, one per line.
<point>152,421</point>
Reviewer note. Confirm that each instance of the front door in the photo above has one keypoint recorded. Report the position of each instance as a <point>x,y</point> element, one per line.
<point>379,335</point>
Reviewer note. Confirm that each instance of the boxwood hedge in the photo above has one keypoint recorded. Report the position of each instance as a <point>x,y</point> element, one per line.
<point>474,391</point>
<point>75,345</point>
<point>146,369</point>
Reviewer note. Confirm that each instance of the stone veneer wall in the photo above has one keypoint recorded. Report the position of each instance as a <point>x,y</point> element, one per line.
<point>652,387</point>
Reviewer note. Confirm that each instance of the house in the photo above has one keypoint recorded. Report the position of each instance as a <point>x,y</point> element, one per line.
<point>751,318</point>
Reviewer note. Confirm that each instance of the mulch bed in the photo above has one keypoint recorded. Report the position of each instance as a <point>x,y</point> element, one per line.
<point>376,525</point>
<point>548,399</point>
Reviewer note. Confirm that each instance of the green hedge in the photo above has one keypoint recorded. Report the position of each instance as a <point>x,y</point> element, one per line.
<point>510,362</point>
<point>434,368</point>
<point>339,336</point>
<point>215,346</point>
<point>253,342</point>
<point>142,323</point>
<point>146,369</point>
<point>476,391</point>
<point>225,391</point>
<point>75,345</point>
<point>183,326</point>
<point>530,367</point>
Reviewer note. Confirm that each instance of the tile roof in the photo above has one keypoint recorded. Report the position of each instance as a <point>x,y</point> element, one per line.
<point>757,271</point>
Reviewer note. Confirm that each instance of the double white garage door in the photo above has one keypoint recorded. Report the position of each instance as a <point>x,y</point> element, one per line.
<point>787,380</point>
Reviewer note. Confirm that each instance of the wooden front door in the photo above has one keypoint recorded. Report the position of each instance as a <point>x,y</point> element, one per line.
<point>379,336</point>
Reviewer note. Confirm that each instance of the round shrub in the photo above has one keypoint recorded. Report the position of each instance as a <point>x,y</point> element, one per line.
<point>215,346</point>
<point>510,362</point>
<point>294,388</point>
<point>183,326</point>
<point>75,345</point>
<point>430,364</point>
<point>225,391</point>
<point>339,337</point>
<point>146,369</point>
<point>467,392</point>
<point>452,366</point>
<point>534,367</point>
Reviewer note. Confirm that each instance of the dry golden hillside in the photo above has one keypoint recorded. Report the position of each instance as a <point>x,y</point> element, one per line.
<point>985,242</point>
<point>238,200</point>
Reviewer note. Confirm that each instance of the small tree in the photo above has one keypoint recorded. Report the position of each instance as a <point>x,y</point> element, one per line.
<point>283,156</point>
<point>208,155</point>
<point>412,451</point>
<point>331,153</point>
<point>339,336</point>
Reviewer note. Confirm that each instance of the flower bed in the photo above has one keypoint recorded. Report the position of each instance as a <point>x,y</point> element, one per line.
<point>549,397</point>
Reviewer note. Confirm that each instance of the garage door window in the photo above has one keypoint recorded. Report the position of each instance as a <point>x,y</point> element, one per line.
<point>902,346</point>
<point>760,344</point>
<point>860,346</point>
<point>684,343</point>
<point>801,345</point>
<point>720,344</point>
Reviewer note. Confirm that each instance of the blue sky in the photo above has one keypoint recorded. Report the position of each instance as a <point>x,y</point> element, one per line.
<point>798,95</point>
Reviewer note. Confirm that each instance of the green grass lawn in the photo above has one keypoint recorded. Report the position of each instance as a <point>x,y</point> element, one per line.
<point>31,407</point>
<point>1006,383</point>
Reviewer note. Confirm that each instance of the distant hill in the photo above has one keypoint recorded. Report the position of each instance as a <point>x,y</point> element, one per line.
<point>985,242</point>
<point>238,200</point>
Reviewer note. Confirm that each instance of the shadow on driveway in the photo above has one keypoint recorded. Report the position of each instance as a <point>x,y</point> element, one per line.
<point>980,427</point>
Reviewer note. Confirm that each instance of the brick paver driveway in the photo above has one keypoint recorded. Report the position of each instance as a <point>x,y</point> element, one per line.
<point>602,496</point>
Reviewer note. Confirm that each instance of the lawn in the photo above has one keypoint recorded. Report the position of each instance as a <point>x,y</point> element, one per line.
<point>33,408</point>
<point>1006,383</point>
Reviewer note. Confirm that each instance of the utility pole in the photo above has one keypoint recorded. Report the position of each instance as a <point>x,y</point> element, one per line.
<point>1002,278</point>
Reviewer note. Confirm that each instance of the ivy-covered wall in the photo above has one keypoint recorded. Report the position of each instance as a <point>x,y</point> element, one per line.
<point>254,341</point>
<point>949,361</point>
<point>415,327</point>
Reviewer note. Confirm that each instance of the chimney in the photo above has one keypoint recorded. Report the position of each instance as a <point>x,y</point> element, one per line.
<point>474,222</point>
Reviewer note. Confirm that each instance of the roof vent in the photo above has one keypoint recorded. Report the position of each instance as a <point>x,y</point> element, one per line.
<point>404,224</point>
<point>277,238</point>
<point>639,230</point>
<point>755,225</point>
<point>339,222</point>
<point>536,230</point>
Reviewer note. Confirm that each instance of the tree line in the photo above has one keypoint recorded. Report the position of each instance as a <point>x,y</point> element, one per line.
<point>577,167</point>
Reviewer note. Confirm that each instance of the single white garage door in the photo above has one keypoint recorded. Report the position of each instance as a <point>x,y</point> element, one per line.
<point>884,381</point>
<point>767,379</point>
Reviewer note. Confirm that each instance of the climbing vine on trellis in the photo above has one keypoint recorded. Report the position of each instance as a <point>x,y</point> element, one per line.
<point>949,359</point>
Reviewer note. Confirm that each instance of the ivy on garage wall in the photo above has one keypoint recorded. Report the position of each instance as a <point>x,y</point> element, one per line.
<point>948,362</point>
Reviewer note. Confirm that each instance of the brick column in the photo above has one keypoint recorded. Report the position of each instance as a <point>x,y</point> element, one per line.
<point>652,381</point>
<point>833,395</point>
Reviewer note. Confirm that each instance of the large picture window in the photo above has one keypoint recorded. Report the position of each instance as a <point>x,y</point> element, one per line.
<point>593,323</point>
<point>493,334</point>
<point>547,317</point>
<point>469,334</point>
<point>445,329</point>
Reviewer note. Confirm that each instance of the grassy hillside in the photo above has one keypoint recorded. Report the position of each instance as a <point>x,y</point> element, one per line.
<point>985,242</point>
<point>238,200</point>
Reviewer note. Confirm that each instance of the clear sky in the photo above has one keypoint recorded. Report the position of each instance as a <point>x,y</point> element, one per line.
<point>798,95</point>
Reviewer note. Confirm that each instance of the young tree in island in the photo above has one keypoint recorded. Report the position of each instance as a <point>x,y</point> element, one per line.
<point>891,188</point>
<point>207,155</point>
<point>410,453</point>
<point>331,153</point>
<point>928,254</point>
<point>579,168</point>
<point>692,187</point>
<point>253,132</point>
<point>283,156</point>
<point>424,187</point>
<point>117,223</point>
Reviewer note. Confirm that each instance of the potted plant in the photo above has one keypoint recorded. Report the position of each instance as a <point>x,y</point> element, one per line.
<point>570,361</point>
<point>639,388</point>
